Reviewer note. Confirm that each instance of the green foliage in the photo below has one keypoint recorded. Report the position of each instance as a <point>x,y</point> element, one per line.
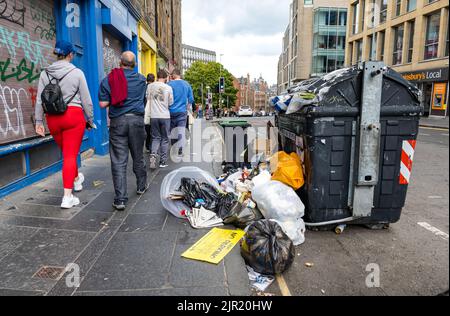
<point>209,74</point>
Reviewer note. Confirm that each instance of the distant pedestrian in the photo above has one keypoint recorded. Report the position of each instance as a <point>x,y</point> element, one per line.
<point>148,142</point>
<point>123,91</point>
<point>65,119</point>
<point>160,97</point>
<point>183,98</point>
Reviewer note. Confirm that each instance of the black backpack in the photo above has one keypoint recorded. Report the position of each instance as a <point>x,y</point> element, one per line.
<point>52,96</point>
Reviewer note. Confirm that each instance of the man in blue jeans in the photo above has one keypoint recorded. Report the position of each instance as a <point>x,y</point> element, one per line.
<point>183,98</point>
<point>127,130</point>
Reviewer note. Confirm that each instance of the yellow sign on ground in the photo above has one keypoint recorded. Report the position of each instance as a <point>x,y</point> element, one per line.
<point>214,246</point>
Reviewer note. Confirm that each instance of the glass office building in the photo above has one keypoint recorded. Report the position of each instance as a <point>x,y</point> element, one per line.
<point>330,28</point>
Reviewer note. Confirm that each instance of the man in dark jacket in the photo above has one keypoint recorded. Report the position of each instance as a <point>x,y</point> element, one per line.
<point>127,130</point>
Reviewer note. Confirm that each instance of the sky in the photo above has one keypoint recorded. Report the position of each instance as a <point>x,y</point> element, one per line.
<point>248,33</point>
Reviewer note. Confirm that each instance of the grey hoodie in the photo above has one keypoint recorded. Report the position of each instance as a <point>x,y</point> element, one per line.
<point>69,85</point>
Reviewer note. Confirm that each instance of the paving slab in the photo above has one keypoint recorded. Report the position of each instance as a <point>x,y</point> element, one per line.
<point>47,248</point>
<point>132,261</point>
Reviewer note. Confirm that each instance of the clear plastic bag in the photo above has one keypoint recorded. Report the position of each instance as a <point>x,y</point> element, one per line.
<point>279,202</point>
<point>172,183</point>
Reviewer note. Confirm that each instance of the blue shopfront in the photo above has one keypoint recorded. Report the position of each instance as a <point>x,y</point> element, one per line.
<point>100,31</point>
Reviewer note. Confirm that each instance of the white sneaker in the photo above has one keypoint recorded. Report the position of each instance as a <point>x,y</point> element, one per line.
<point>78,185</point>
<point>69,202</point>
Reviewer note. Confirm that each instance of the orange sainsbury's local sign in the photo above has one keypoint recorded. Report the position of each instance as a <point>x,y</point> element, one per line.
<point>439,74</point>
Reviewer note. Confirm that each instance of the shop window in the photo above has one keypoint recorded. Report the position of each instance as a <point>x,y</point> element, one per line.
<point>398,45</point>
<point>432,36</point>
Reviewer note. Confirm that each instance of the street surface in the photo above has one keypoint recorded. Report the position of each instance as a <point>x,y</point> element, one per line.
<point>138,252</point>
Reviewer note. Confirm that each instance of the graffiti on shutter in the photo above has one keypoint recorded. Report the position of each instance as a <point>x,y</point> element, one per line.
<point>27,39</point>
<point>112,49</point>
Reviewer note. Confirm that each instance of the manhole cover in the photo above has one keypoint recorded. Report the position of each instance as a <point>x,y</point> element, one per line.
<point>51,273</point>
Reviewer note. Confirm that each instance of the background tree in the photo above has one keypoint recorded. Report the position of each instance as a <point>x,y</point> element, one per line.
<point>209,74</point>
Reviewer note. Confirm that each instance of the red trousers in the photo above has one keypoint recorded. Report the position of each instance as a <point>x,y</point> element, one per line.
<point>68,130</point>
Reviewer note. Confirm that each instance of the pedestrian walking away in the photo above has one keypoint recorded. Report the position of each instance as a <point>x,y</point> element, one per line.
<point>123,91</point>
<point>160,98</point>
<point>148,143</point>
<point>63,95</point>
<point>183,99</point>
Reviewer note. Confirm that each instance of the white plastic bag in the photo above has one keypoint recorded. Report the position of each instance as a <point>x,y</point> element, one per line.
<point>172,182</point>
<point>279,202</point>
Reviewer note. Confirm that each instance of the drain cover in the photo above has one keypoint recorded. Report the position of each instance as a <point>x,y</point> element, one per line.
<point>51,273</point>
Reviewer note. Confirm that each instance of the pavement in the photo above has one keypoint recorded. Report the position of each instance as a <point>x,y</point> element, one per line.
<point>435,122</point>
<point>138,252</point>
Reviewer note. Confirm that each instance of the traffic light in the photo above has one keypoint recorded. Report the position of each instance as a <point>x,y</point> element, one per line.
<point>222,85</point>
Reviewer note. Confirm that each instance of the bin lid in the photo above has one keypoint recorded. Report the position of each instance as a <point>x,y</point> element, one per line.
<point>243,124</point>
<point>343,89</point>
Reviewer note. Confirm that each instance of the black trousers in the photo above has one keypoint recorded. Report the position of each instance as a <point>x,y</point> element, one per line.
<point>148,141</point>
<point>127,135</point>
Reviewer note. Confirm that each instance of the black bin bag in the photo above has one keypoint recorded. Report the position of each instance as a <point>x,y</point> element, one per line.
<point>267,249</point>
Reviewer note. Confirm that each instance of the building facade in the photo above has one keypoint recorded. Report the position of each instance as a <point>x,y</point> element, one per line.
<point>253,93</point>
<point>100,30</point>
<point>261,92</point>
<point>314,41</point>
<point>193,54</point>
<point>412,36</point>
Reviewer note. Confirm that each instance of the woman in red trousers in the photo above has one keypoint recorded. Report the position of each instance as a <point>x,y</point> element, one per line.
<point>67,129</point>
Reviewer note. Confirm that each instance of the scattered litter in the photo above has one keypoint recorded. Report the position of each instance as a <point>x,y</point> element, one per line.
<point>98,183</point>
<point>214,246</point>
<point>309,265</point>
<point>267,249</point>
<point>340,229</point>
<point>259,282</point>
<point>323,291</point>
<point>202,218</point>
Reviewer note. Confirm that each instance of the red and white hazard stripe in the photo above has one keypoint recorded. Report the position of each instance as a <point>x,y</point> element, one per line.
<point>409,148</point>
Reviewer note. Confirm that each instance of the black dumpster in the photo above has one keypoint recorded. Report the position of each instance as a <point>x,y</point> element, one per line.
<point>235,149</point>
<point>357,139</point>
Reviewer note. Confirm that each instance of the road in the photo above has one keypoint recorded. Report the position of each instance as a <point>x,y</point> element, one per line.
<point>412,255</point>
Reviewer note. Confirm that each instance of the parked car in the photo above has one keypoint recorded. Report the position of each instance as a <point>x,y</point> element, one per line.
<point>245,110</point>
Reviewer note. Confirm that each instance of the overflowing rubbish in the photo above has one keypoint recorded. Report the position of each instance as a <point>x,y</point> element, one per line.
<point>287,169</point>
<point>214,246</point>
<point>279,202</point>
<point>266,248</point>
<point>171,197</point>
<point>241,216</point>
<point>197,194</point>
<point>258,281</point>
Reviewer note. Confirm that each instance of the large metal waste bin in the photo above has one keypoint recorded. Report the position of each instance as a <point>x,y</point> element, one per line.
<point>235,148</point>
<point>357,141</point>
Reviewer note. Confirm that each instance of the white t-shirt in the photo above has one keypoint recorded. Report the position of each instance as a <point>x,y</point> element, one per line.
<point>159,99</point>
